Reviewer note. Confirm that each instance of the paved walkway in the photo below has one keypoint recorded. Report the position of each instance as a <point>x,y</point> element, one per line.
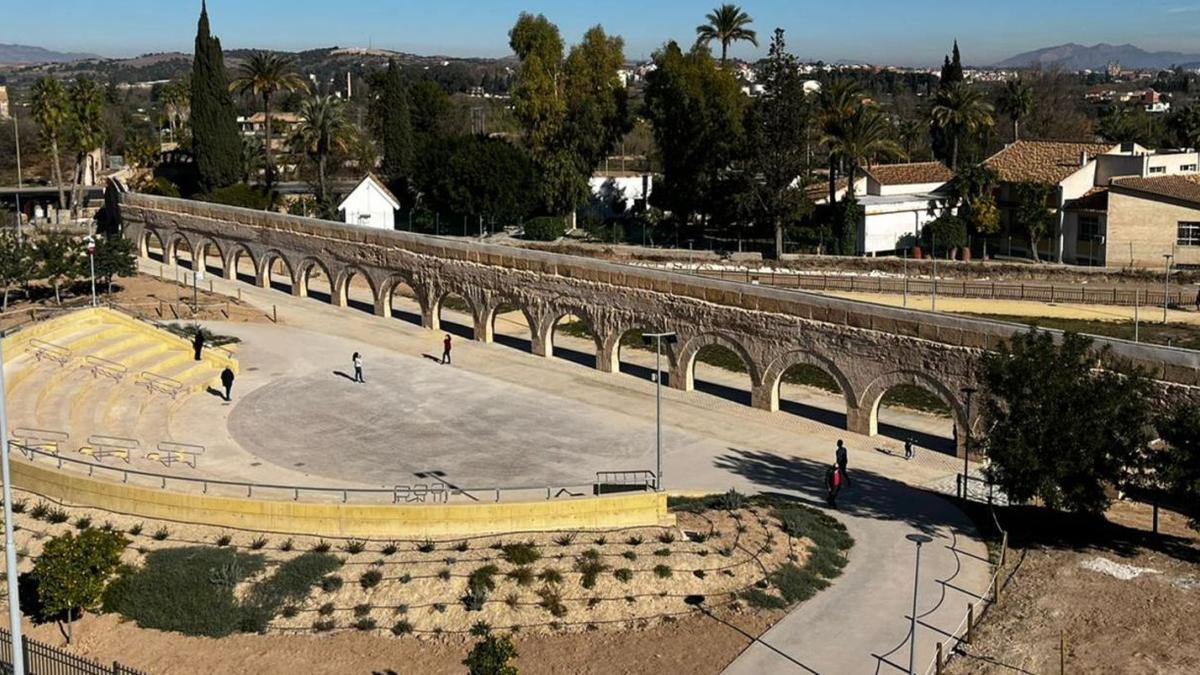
<point>1148,314</point>
<point>712,444</point>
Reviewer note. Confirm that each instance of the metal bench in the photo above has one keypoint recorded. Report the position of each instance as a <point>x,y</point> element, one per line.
<point>104,367</point>
<point>99,447</point>
<point>157,383</point>
<point>169,453</point>
<point>420,494</point>
<point>46,440</point>
<point>48,351</point>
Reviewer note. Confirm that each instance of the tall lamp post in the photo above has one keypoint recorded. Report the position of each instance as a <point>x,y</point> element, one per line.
<point>10,546</point>
<point>657,340</point>
<point>969,392</point>
<point>1167,286</point>
<point>919,540</point>
<point>91,254</point>
<point>20,182</point>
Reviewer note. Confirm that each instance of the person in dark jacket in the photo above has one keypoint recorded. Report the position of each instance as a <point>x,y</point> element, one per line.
<point>227,382</point>
<point>198,343</point>
<point>842,460</point>
<point>446,350</point>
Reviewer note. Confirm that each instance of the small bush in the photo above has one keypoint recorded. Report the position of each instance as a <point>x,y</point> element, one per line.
<point>354,546</point>
<point>520,554</point>
<point>732,500</point>
<point>635,541</point>
<point>590,569</point>
<point>224,540</point>
<point>39,511</point>
<point>400,609</point>
<point>663,553</point>
<point>491,656</point>
<point>662,571</point>
<point>548,228</point>
<point>161,534</point>
<point>590,554</point>
<point>287,545</point>
<point>19,506</point>
<point>601,541</point>
<point>259,543</point>
<point>762,600</point>
<point>522,576</point>
<point>426,546</point>
<point>57,516</point>
<point>332,583</point>
<point>289,612</point>
<point>362,610</point>
<point>550,576</point>
<point>402,628</point>
<point>321,546</point>
<point>667,537</point>
<point>476,597</point>
<point>240,194</point>
<point>389,549</point>
<point>405,578</point>
<point>699,574</point>
<point>370,579</point>
<point>550,599</point>
<point>512,600</point>
<point>629,555</point>
<point>481,628</point>
<point>484,577</point>
<point>565,539</point>
<point>439,607</point>
<point>83,523</point>
<point>444,574</point>
<point>462,547</point>
<point>324,625</point>
<point>326,609</point>
<point>366,624</point>
<point>624,575</point>
<point>135,530</point>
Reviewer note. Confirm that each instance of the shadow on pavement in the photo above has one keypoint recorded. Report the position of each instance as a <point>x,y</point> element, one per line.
<point>575,356</point>
<point>831,418</point>
<point>921,439</point>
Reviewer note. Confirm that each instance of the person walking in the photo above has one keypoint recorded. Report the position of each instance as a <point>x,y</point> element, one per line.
<point>198,342</point>
<point>358,374</point>
<point>446,350</point>
<point>842,460</point>
<point>227,382</point>
<point>908,448</point>
<point>833,483</point>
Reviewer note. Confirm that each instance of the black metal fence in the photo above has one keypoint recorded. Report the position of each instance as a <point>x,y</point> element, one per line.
<point>42,659</point>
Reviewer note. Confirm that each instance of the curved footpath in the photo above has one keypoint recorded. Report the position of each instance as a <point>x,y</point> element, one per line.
<point>858,625</point>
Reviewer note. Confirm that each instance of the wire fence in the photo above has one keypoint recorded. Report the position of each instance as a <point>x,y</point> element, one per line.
<point>43,659</point>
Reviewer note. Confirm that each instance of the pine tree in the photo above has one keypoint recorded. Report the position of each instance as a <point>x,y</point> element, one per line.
<point>395,127</point>
<point>215,138</point>
<point>952,74</point>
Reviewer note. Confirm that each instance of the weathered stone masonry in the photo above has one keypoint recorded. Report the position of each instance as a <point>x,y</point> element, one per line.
<point>867,348</point>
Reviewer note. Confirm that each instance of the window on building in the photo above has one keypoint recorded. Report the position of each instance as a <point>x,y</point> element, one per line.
<point>1158,169</point>
<point>1189,234</point>
<point>1188,168</point>
<point>1089,228</point>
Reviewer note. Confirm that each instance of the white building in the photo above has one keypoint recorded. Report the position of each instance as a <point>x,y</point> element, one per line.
<point>626,187</point>
<point>370,204</point>
<point>896,204</point>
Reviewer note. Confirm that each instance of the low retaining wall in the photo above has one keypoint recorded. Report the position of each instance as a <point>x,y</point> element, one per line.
<point>345,520</point>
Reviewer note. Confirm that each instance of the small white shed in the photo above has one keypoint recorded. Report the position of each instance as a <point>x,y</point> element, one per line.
<point>370,204</point>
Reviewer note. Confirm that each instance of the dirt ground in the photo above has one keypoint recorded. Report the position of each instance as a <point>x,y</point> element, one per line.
<point>1072,589</point>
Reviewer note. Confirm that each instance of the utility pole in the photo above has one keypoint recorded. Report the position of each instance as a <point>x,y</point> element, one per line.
<point>657,340</point>
<point>917,539</point>
<point>20,183</point>
<point>10,547</point>
<point>969,392</point>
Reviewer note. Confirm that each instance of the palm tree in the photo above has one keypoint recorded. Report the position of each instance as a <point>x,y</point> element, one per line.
<point>958,110</point>
<point>837,103</point>
<point>1016,101</point>
<point>322,129</point>
<point>265,74</point>
<point>87,133</point>
<point>909,133</point>
<point>726,24</point>
<point>176,98</point>
<point>51,112</point>
<point>860,138</point>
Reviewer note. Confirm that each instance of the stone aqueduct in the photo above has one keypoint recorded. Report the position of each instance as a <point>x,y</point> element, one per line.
<point>867,349</point>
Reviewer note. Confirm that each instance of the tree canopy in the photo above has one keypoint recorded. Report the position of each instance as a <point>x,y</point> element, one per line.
<point>216,142</point>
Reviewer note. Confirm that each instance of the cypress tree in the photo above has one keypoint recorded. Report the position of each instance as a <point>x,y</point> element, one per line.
<point>395,127</point>
<point>952,73</point>
<point>216,142</point>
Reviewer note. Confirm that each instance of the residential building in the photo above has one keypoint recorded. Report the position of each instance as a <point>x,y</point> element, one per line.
<point>370,204</point>
<point>621,190</point>
<point>283,125</point>
<point>3,102</point>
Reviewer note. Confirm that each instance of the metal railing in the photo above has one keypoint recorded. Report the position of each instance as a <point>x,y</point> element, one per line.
<point>43,659</point>
<point>103,367</point>
<point>50,352</point>
<point>625,481</point>
<point>990,290</point>
<point>161,384</point>
<point>169,452</point>
<point>393,495</point>
<point>43,439</point>
<point>99,447</point>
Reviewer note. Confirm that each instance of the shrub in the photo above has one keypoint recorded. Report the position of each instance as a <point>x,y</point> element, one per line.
<point>590,554</point>
<point>19,505</point>
<point>224,540</point>
<point>522,576</point>
<point>324,625</point>
<point>624,575</point>
<point>135,530</point>
<point>524,553</point>
<point>663,553</point>
<point>601,541</point>
<point>444,574</point>
<point>629,555</point>
<point>259,543</point>
<point>331,583</point>
<point>370,579</point>
<point>565,539</point>
<point>512,600</point>
<point>462,547</point>
<point>635,541</point>
<point>287,545</point>
<point>484,577</point>
<point>662,571</point>
<point>362,610</point>
<point>732,500</point>
<point>439,607</point>
<point>476,597</point>
<point>326,609</point>
<point>426,546</point>
<point>548,228</point>
<point>39,511</point>
<point>491,656</point>
<point>289,612</point>
<point>667,537</point>
<point>402,628</point>
<point>366,624</point>
<point>550,576</point>
<point>83,523</point>
<point>389,549</point>
<point>699,574</point>
<point>590,568</point>
<point>321,546</point>
<point>481,628</point>
<point>354,546</point>
<point>550,599</point>
<point>161,534</point>
<point>57,516</point>
<point>762,600</point>
<point>241,195</point>
<point>291,582</point>
<point>161,186</point>
<point>72,572</point>
<point>405,578</point>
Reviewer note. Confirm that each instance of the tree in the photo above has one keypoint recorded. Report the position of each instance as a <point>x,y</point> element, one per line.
<point>952,74</point>
<point>429,108</point>
<point>216,141</point>
<point>323,128</point>
<point>855,140</point>
<point>1184,125</point>
<point>777,143</point>
<point>1032,212</point>
<point>1016,101</point>
<point>479,176</point>
<point>263,75</point>
<point>15,263</point>
<point>837,101</point>
<point>86,134</point>
<point>1059,429</point>
<point>727,24</point>
<point>491,656</point>
<point>394,120</point>
<point>73,570</point>
<point>176,99</point>
<point>59,261</point>
<point>115,256</point>
<point>960,110</point>
<point>973,196</point>
<point>51,111</point>
<point>1176,465</point>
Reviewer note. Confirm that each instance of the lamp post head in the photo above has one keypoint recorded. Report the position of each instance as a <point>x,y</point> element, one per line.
<point>919,539</point>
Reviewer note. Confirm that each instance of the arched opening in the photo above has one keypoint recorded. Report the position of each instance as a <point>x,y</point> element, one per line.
<point>279,273</point>
<point>637,359</point>
<point>244,265</point>
<point>455,317</point>
<point>153,248</point>
<point>510,327</point>
<point>183,255</point>
<point>360,294</point>
<point>720,371</point>
<point>810,391</point>
<point>207,254</point>
<point>572,339</point>
<point>405,305</point>
<point>918,412</point>
<point>317,281</point>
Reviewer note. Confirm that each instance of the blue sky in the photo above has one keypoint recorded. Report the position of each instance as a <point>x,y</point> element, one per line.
<point>915,32</point>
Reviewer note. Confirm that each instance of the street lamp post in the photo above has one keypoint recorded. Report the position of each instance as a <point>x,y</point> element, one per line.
<point>919,540</point>
<point>933,303</point>
<point>91,254</point>
<point>657,340</point>
<point>1167,286</point>
<point>10,546</point>
<point>969,392</point>
<point>20,182</point>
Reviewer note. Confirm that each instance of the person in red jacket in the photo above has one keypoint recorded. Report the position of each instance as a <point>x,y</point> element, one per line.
<point>833,482</point>
<point>446,350</point>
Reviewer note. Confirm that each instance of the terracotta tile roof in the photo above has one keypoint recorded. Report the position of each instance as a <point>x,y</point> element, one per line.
<point>911,174</point>
<point>819,190</point>
<point>1179,188</point>
<point>1095,199</point>
<point>1043,161</point>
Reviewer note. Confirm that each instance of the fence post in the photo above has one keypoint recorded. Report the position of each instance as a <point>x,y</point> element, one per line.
<point>996,589</point>
<point>25,651</point>
<point>1004,550</point>
<point>1062,652</point>
<point>970,622</point>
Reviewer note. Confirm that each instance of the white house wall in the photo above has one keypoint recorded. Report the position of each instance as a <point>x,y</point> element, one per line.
<point>367,206</point>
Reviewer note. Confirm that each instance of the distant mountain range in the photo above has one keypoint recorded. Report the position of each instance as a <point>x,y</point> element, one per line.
<point>22,54</point>
<point>1097,57</point>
